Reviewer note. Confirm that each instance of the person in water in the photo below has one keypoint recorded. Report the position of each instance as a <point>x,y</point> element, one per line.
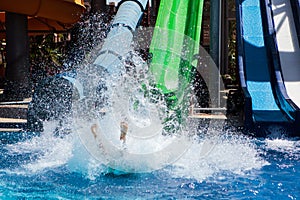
<point>124,129</point>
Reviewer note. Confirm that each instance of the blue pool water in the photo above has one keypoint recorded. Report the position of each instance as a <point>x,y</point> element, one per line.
<point>237,167</point>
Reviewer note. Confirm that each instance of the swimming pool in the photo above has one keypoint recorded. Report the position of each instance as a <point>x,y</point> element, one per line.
<point>237,167</point>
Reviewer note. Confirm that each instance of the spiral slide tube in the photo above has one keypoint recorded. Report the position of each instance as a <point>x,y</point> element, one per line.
<point>119,38</point>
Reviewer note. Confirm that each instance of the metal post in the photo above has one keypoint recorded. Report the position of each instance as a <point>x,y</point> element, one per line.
<point>17,54</point>
<point>215,44</point>
<point>215,30</point>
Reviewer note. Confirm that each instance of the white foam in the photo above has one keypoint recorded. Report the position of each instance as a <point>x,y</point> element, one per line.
<point>283,145</point>
<point>204,158</point>
<point>47,151</point>
<point>235,154</point>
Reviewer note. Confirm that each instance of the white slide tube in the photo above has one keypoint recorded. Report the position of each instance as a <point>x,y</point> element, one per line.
<point>119,39</point>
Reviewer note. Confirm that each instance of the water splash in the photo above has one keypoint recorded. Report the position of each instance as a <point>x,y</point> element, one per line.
<point>230,152</point>
<point>40,153</point>
<point>125,94</point>
<point>112,98</point>
<point>124,100</point>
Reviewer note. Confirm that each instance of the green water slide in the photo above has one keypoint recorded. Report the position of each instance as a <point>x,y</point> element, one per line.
<point>175,43</point>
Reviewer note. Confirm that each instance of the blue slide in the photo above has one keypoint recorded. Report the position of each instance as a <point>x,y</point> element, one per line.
<point>266,100</point>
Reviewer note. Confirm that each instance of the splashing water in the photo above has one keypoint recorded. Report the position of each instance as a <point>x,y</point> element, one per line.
<point>228,152</point>
<point>123,99</point>
<point>233,153</point>
<point>146,150</point>
<point>198,157</point>
<point>125,95</point>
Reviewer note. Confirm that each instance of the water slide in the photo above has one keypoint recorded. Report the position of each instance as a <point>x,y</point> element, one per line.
<point>286,27</point>
<point>263,60</point>
<point>174,45</point>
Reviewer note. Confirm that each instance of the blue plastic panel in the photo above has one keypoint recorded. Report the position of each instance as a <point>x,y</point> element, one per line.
<point>258,81</point>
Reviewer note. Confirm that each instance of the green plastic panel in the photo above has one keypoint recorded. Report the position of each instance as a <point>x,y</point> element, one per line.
<point>175,43</point>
